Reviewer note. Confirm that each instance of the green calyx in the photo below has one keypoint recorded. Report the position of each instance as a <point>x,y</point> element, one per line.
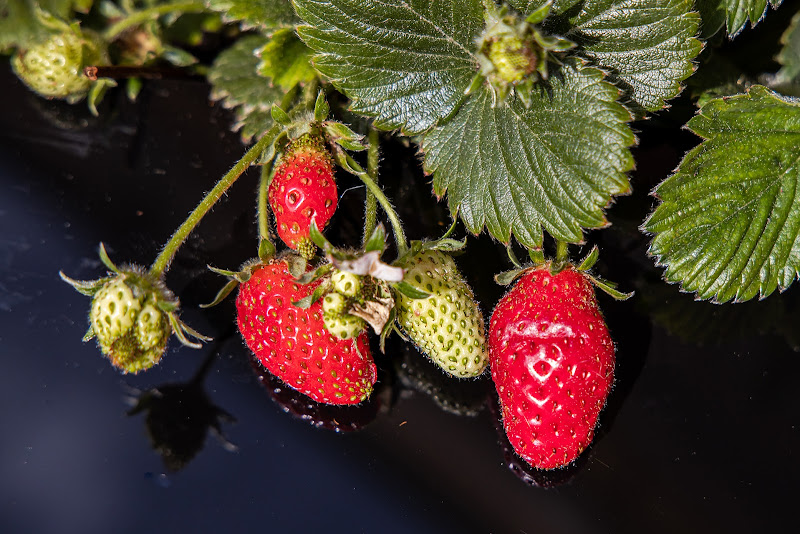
<point>514,54</point>
<point>132,316</point>
<point>558,264</point>
<point>446,323</point>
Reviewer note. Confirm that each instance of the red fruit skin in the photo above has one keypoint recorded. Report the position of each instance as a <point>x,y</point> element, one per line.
<point>303,189</point>
<point>552,362</point>
<point>293,343</point>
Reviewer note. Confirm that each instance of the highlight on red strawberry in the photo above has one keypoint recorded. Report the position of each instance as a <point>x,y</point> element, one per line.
<point>303,189</point>
<point>133,314</point>
<point>292,342</point>
<point>552,361</point>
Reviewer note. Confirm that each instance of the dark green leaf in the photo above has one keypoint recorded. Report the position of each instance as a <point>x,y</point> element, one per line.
<point>554,165</point>
<point>527,7</point>
<point>404,62</point>
<point>789,56</point>
<point>739,11</point>
<point>234,80</point>
<point>713,15</point>
<point>728,226</point>
<point>648,45</point>
<point>263,14</point>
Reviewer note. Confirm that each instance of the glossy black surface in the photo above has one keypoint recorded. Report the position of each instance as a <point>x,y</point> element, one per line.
<point>700,434</point>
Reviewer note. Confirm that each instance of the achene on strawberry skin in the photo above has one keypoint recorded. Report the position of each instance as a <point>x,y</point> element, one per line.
<point>303,189</point>
<point>552,362</point>
<point>293,344</point>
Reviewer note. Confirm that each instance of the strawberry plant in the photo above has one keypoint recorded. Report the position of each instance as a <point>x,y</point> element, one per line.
<point>525,116</point>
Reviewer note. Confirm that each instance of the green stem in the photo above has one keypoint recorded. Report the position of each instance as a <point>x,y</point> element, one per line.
<point>139,17</point>
<point>346,161</point>
<point>266,248</point>
<point>562,251</point>
<point>263,210</point>
<point>161,263</point>
<point>371,203</point>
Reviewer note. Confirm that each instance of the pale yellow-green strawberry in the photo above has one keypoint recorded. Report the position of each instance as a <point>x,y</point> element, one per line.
<point>347,284</point>
<point>337,320</point>
<point>54,67</point>
<point>131,329</point>
<point>447,326</point>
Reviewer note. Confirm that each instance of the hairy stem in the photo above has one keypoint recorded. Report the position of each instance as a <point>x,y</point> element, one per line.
<point>138,17</point>
<point>347,162</point>
<point>371,203</point>
<point>263,209</point>
<point>162,262</point>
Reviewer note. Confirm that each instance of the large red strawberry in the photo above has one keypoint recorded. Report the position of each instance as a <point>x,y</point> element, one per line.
<point>293,343</point>
<point>303,189</point>
<point>552,362</point>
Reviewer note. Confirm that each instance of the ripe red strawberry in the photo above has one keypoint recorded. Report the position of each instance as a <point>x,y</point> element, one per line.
<point>303,189</point>
<point>293,343</point>
<point>552,362</point>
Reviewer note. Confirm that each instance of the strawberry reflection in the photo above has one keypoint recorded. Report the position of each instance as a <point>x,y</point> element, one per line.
<point>538,478</point>
<point>179,416</point>
<point>416,373</point>
<point>338,418</point>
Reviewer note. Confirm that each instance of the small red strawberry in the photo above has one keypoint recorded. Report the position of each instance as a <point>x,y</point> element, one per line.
<point>293,343</point>
<point>552,362</point>
<point>303,189</point>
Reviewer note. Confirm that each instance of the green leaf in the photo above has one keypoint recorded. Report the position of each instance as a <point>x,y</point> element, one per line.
<point>234,80</point>
<point>286,60</point>
<point>789,56</point>
<point>405,62</point>
<point>526,7</point>
<point>728,226</point>
<point>262,14</point>
<point>647,44</point>
<point>18,23</point>
<point>554,165</point>
<point>713,15</point>
<point>739,11</point>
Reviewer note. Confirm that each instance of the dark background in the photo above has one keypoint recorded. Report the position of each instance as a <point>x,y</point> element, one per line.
<point>700,433</point>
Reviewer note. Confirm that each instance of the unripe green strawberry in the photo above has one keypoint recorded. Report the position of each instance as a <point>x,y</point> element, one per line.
<point>54,68</point>
<point>512,58</point>
<point>347,284</point>
<point>131,329</point>
<point>447,326</point>
<point>337,320</point>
